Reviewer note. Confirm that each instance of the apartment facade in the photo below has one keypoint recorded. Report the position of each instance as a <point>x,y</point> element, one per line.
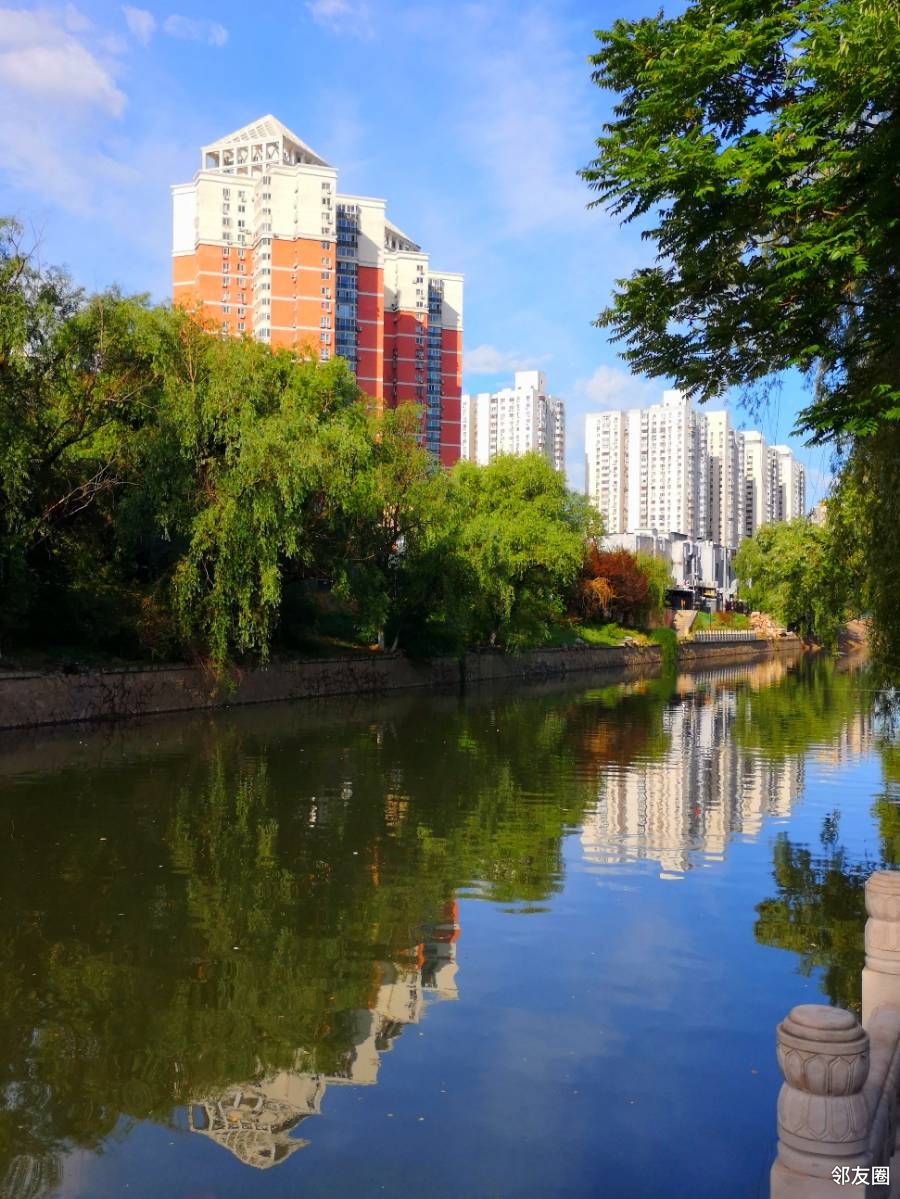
<point>674,472</point>
<point>520,419</point>
<point>786,484</point>
<point>265,246</point>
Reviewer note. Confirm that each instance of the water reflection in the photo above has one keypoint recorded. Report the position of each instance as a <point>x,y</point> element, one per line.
<point>258,1120</point>
<point>211,923</point>
<point>818,911</point>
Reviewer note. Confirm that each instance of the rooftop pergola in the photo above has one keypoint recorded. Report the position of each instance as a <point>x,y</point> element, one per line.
<point>266,142</point>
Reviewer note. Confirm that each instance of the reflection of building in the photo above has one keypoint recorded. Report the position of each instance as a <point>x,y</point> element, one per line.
<point>683,808</point>
<point>257,1120</point>
<point>854,740</point>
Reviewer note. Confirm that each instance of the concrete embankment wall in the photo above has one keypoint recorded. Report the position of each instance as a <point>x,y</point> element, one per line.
<point>28,700</point>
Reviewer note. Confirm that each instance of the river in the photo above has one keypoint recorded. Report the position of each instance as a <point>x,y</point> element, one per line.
<point>524,942</point>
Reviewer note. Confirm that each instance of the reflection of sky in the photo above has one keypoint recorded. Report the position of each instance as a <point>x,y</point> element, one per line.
<point>618,1042</point>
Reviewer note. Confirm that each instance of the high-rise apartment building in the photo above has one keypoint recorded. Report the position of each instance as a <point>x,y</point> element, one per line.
<point>724,502</point>
<point>754,472</point>
<point>516,420</point>
<point>786,484</point>
<point>647,468</point>
<point>669,470</point>
<point>265,245</point>
<point>605,466</point>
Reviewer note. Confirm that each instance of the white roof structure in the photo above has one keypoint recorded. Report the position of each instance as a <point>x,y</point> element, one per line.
<point>263,142</point>
<point>396,239</point>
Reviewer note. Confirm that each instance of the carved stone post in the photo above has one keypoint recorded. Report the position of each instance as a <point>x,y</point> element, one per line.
<point>881,976</point>
<point>823,1118</point>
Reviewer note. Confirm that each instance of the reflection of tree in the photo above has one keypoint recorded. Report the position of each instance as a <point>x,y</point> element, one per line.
<point>233,906</point>
<point>819,914</point>
<point>809,705</point>
<point>232,910</point>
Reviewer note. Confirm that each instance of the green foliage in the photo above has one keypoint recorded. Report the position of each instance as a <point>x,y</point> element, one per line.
<point>757,145</point>
<point>790,570</point>
<point>863,519</point>
<point>658,573</point>
<point>667,641</point>
<point>519,535</point>
<point>759,141</point>
<point>164,491</point>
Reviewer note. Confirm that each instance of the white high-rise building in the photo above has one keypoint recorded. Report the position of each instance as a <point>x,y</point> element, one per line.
<point>787,485</point>
<point>520,419</point>
<point>605,465</point>
<point>754,471</point>
<point>667,470</point>
<point>646,468</point>
<point>724,493</point>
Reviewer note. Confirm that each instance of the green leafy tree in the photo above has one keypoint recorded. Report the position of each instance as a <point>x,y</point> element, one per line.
<point>757,144</point>
<point>789,570</point>
<point>659,579</point>
<point>520,536</point>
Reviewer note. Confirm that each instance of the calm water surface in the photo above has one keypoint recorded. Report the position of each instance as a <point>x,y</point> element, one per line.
<point>521,943</point>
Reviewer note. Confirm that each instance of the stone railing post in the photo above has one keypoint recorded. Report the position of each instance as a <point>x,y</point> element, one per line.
<point>881,976</point>
<point>823,1117</point>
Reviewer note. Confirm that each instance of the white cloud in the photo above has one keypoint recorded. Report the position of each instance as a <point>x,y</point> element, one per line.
<point>345,16</point>
<point>40,60</point>
<point>529,123</point>
<point>193,30</point>
<point>140,22</point>
<point>488,360</point>
<point>609,387</point>
<point>76,21</point>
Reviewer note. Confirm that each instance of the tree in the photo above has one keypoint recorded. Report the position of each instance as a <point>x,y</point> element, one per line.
<point>789,570</point>
<point>758,142</point>
<point>518,536</point>
<point>658,573</point>
<point>613,587</point>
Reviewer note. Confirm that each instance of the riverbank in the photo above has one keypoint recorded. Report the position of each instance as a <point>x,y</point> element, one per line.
<point>31,699</point>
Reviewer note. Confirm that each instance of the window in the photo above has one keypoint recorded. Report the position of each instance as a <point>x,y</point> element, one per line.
<point>226,193</point>
<point>240,326</point>
<point>326,291</point>
<point>226,308</point>
<point>226,250</point>
<point>326,245</point>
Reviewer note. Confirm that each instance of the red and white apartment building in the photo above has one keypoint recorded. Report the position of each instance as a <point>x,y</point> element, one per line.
<point>264,245</point>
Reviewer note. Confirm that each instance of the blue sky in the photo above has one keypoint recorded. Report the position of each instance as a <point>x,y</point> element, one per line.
<point>471,119</point>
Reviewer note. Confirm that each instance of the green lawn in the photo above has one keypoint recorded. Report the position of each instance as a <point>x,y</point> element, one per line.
<point>593,634</point>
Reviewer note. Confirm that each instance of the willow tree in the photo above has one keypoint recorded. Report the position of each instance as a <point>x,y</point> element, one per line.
<point>757,143</point>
